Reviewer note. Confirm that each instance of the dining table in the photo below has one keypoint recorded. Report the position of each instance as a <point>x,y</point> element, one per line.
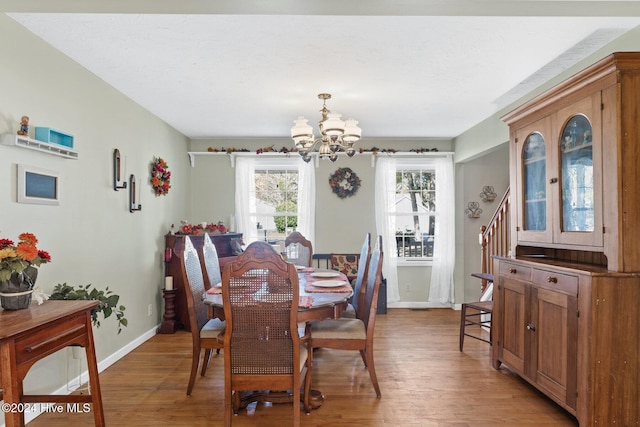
<point>323,294</point>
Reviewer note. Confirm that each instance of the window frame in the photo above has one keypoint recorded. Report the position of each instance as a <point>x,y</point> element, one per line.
<point>429,216</point>
<point>275,167</point>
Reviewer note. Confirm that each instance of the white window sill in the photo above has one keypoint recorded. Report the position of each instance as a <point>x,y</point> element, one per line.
<point>402,262</point>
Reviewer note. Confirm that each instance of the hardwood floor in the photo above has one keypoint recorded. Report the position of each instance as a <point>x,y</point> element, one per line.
<point>425,381</point>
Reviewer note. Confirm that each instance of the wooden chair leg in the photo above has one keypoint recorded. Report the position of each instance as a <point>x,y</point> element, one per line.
<point>206,358</point>
<point>463,321</point>
<point>363,355</point>
<point>306,399</point>
<point>372,371</point>
<point>228,403</point>
<point>194,369</point>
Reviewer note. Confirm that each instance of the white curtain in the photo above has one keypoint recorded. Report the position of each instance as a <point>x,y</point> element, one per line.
<point>386,224</point>
<point>441,290</point>
<point>307,199</point>
<point>245,197</point>
<point>246,219</point>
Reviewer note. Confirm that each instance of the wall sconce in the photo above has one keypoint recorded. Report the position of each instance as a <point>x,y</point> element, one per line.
<point>116,171</point>
<point>132,195</point>
<point>473,210</point>
<point>488,195</point>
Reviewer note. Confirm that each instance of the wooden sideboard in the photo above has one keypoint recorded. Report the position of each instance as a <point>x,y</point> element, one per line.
<point>565,315</point>
<point>174,245</point>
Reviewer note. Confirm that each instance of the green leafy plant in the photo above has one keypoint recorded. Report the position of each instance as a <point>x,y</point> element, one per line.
<point>284,222</point>
<point>108,301</point>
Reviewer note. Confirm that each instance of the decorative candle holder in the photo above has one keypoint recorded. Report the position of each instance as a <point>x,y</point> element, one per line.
<point>169,323</point>
<point>488,195</point>
<point>473,210</point>
<point>132,195</point>
<point>116,171</point>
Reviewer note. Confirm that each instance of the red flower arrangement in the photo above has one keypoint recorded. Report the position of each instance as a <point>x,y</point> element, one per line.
<point>15,258</point>
<point>198,229</point>
<point>160,177</point>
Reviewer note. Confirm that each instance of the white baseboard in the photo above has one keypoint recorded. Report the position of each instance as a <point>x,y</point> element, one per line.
<point>417,305</point>
<point>102,365</point>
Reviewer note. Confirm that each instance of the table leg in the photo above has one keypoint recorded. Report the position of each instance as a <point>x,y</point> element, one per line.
<point>11,385</point>
<point>94,380</point>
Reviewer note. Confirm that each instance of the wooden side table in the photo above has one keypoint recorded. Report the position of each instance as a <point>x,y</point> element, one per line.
<point>29,335</point>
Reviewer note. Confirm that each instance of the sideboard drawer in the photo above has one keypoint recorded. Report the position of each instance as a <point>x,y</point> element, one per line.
<point>556,281</point>
<point>515,271</point>
<point>57,335</point>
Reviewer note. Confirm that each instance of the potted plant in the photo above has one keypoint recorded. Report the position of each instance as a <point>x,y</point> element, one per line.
<point>18,270</point>
<point>108,301</point>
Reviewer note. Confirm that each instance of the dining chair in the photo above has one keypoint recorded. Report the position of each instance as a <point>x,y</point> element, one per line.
<point>212,276</point>
<point>477,313</point>
<point>298,249</point>
<point>355,334</point>
<point>361,277</point>
<point>262,345</point>
<point>210,263</point>
<point>204,331</point>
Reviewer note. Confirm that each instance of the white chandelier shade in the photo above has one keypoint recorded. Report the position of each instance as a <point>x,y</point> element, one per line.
<point>336,135</point>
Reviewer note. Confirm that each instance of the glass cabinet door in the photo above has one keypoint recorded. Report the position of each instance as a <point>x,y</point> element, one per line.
<point>534,172</point>
<point>576,152</point>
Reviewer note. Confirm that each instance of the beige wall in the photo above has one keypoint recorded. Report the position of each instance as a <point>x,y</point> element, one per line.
<point>91,236</point>
<point>490,169</point>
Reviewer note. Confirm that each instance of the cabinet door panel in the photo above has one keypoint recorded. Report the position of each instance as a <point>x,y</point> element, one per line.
<point>513,323</point>
<point>578,191</point>
<point>555,358</point>
<point>533,163</point>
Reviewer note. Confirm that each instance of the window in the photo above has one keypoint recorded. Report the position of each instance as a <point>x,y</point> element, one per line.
<point>415,208</point>
<point>414,215</point>
<point>276,193</point>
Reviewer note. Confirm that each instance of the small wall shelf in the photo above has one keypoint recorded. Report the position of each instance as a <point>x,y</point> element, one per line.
<point>32,144</point>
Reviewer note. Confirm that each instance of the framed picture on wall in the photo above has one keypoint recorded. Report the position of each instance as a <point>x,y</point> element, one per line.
<point>38,186</point>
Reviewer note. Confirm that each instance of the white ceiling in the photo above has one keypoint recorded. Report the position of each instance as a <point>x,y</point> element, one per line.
<point>238,72</point>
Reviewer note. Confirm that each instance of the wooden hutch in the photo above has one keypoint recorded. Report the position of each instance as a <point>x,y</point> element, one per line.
<point>175,244</point>
<point>567,300</point>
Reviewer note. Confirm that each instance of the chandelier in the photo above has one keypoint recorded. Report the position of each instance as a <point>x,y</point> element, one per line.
<point>335,135</point>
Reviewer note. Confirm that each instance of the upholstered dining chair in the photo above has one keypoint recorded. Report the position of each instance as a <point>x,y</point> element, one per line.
<point>204,331</point>
<point>355,334</point>
<point>210,263</point>
<point>358,289</point>
<point>298,249</point>
<point>263,349</point>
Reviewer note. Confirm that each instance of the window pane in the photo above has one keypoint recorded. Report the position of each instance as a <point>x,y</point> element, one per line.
<point>276,202</point>
<point>415,206</point>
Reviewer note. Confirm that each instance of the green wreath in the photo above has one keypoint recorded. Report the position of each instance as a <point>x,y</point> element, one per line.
<point>344,182</point>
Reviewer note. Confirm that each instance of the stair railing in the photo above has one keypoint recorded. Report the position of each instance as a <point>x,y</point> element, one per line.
<point>495,238</point>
